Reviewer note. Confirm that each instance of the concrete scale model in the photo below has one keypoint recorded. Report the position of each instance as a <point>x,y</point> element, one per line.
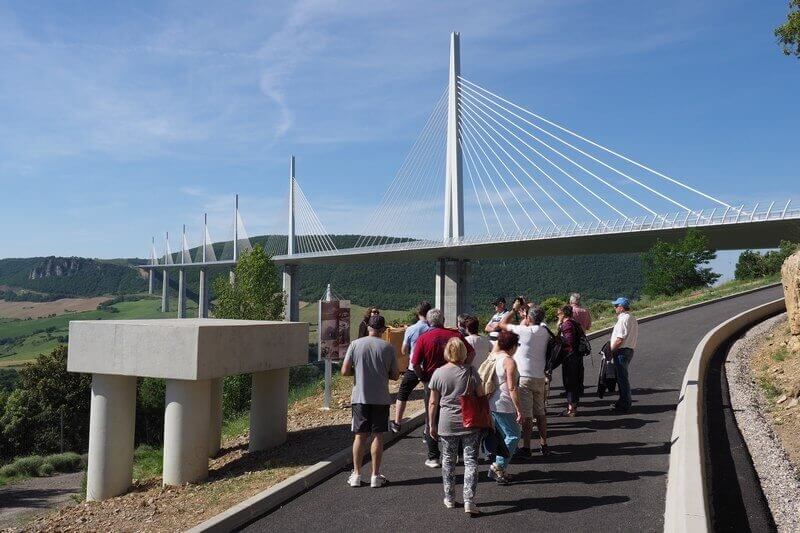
<point>191,355</point>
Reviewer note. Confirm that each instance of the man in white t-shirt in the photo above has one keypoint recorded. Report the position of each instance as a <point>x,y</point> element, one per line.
<point>493,326</point>
<point>531,358</point>
<point>623,343</point>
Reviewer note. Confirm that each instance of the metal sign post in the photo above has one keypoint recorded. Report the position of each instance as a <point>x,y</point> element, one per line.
<point>326,404</point>
<point>333,336</point>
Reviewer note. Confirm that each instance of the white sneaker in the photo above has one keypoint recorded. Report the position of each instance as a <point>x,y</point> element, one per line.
<point>354,480</point>
<point>471,508</point>
<point>378,481</point>
<point>450,504</point>
<point>433,463</point>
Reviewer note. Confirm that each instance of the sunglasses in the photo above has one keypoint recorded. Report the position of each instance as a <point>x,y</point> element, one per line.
<point>374,312</point>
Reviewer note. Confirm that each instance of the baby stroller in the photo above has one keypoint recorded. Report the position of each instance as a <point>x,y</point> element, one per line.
<point>607,381</point>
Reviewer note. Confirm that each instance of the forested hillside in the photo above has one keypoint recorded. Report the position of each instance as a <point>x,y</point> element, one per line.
<point>389,285</point>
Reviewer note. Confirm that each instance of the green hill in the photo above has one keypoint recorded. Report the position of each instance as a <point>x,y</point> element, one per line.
<point>388,285</point>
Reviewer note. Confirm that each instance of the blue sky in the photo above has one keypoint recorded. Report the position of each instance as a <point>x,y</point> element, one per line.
<point>123,120</point>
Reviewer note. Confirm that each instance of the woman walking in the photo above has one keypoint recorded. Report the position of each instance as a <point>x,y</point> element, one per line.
<point>504,403</point>
<point>572,367</point>
<point>447,385</point>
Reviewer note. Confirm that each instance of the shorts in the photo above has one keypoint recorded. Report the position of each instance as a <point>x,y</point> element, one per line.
<point>532,396</point>
<point>409,383</point>
<point>370,418</point>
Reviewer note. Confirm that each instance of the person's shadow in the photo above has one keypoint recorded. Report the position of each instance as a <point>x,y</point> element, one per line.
<point>551,504</point>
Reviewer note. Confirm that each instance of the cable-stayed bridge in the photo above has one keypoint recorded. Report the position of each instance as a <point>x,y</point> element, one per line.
<point>489,178</point>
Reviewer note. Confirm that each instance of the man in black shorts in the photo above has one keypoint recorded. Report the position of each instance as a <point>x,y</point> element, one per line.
<point>373,362</point>
<point>410,378</point>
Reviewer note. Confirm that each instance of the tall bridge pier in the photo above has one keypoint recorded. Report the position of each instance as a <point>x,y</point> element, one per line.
<point>291,272</point>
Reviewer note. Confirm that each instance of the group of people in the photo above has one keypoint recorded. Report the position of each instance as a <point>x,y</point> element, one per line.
<point>513,363</point>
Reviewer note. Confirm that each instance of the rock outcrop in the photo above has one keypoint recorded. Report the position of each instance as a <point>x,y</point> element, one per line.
<point>790,275</point>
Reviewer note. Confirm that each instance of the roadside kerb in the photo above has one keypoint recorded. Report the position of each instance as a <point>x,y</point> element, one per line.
<point>686,507</point>
<point>287,489</point>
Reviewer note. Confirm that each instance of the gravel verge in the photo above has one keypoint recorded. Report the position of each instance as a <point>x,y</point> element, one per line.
<point>777,475</point>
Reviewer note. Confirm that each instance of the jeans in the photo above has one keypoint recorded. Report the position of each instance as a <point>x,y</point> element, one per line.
<point>433,445</point>
<point>621,361</point>
<point>507,423</point>
<point>450,447</point>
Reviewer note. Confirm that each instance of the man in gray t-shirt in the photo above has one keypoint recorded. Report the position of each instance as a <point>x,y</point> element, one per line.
<point>372,362</point>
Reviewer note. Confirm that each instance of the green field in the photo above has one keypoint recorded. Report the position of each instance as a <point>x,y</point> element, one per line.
<point>43,334</point>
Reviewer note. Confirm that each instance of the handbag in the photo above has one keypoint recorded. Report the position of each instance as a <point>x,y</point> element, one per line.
<point>474,409</point>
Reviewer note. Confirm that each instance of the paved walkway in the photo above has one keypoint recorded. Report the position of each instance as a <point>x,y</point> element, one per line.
<point>607,472</point>
<point>27,499</point>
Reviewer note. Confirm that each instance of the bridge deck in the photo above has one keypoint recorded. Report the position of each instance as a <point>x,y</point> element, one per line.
<point>606,471</point>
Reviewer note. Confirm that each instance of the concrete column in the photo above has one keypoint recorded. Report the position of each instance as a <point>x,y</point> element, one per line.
<point>291,286</point>
<point>202,304</point>
<point>439,283</point>
<point>232,277</point>
<point>453,288</point>
<point>111,430</point>
<point>150,282</point>
<point>215,417</point>
<point>165,291</point>
<point>186,431</point>
<point>268,404</point>
<point>181,293</point>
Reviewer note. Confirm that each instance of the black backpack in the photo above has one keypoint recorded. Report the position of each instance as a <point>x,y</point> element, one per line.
<point>554,356</point>
<point>583,346</point>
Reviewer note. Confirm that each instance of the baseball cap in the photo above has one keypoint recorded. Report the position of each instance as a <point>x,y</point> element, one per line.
<point>624,302</point>
<point>499,301</point>
<point>377,322</point>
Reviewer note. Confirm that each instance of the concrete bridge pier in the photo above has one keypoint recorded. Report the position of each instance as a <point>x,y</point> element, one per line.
<point>291,286</point>
<point>182,293</point>
<point>150,282</point>
<point>186,427</point>
<point>453,288</point>
<point>165,291</point>
<point>202,300</point>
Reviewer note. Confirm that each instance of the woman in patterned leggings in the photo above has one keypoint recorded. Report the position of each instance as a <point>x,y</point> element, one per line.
<point>447,385</point>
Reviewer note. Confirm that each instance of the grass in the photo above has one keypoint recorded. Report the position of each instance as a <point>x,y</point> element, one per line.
<point>147,462</point>
<point>35,341</point>
<point>38,466</point>
<point>781,355</point>
<point>770,390</point>
<point>649,306</point>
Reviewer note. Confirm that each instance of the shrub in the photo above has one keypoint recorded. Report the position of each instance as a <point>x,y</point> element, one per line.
<point>9,471</point>
<point>29,465</point>
<point>46,470</point>
<point>64,462</point>
<point>236,395</point>
<point>550,306</point>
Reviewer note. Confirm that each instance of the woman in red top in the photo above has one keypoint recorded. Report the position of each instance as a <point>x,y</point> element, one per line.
<point>572,367</point>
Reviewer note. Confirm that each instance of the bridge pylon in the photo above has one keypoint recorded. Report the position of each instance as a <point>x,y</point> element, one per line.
<point>291,274</point>
<point>453,276</point>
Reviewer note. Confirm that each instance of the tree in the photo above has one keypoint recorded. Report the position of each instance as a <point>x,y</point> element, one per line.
<point>670,268</point>
<point>31,420</point>
<point>256,295</point>
<point>788,33</point>
<point>752,265</point>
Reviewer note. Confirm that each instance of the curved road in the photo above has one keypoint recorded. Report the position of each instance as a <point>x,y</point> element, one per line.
<point>606,472</point>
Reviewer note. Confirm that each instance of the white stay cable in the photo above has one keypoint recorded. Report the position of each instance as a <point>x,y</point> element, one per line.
<point>601,180</point>
<point>468,153</point>
<point>405,173</point>
<point>540,169</point>
<point>434,114</point>
<point>471,137</point>
<point>471,149</point>
<point>471,127</point>
<point>537,152</point>
<point>475,190</point>
<point>590,156</point>
<point>558,205</point>
<point>412,177</point>
<point>608,150</point>
<point>424,175</point>
<point>323,238</point>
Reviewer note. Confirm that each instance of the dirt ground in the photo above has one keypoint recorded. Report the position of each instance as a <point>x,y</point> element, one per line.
<point>235,474</point>
<point>777,370</point>
<point>25,310</point>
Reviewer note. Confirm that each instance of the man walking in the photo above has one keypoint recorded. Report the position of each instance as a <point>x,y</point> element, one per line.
<point>373,362</point>
<point>531,358</point>
<point>623,343</point>
<point>410,378</point>
<point>581,315</point>
<point>428,356</point>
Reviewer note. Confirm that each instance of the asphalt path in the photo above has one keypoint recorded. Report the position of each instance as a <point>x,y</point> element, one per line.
<point>606,472</point>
